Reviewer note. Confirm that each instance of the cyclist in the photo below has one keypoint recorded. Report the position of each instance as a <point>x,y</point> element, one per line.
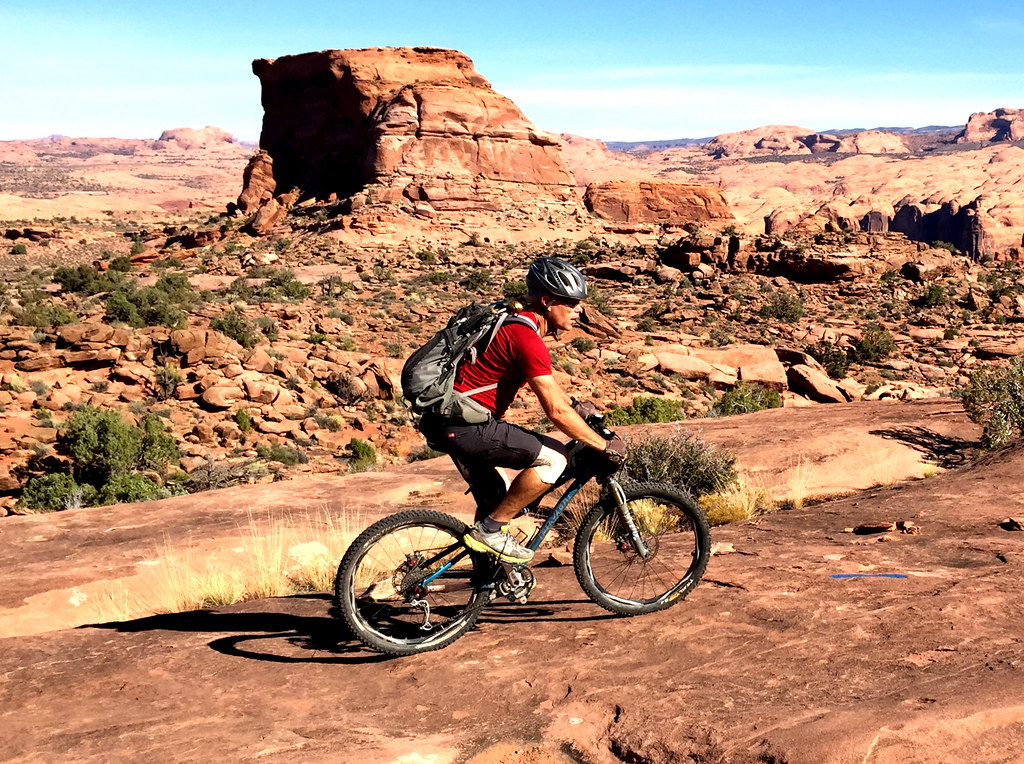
<point>515,357</point>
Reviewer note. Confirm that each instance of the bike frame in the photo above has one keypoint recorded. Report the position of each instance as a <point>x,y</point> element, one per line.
<point>579,477</point>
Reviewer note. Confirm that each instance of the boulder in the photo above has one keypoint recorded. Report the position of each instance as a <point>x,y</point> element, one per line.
<point>687,366</point>
<point>258,182</point>
<point>814,384</point>
<point>222,396</point>
<point>656,201</point>
<point>203,345</point>
<point>770,375</point>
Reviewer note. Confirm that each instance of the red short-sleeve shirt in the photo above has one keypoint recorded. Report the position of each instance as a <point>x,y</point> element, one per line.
<point>516,354</point>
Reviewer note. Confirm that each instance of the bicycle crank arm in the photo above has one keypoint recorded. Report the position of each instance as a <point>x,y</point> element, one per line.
<point>627,517</point>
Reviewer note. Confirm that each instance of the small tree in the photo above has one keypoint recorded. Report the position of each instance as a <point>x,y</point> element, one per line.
<point>994,398</point>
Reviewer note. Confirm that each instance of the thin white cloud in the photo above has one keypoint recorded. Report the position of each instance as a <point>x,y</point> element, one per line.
<point>998,26</point>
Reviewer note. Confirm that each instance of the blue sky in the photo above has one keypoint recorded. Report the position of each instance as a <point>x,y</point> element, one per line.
<point>615,71</point>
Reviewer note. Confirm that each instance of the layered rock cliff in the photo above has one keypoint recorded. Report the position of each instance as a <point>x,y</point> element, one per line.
<point>414,126</point>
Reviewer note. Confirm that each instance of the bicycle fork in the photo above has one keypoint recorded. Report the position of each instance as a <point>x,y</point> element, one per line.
<point>627,518</point>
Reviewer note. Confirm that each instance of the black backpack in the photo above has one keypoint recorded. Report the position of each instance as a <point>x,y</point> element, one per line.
<point>428,376</point>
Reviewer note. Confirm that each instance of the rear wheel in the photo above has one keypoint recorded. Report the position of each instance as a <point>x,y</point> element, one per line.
<point>408,585</point>
<point>678,539</point>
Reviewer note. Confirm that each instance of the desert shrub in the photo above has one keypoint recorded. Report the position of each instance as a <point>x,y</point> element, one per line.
<point>86,280</point>
<point>268,327</point>
<point>583,344</point>
<point>994,399</point>
<point>515,291</point>
<point>19,249</point>
<point>158,305</point>
<point>876,344</point>
<point>944,245</point>
<point>934,296</point>
<point>126,489</point>
<point>364,455</point>
<point>745,398</point>
<point>56,492</point>
<point>158,447</point>
<point>244,420</point>
<point>122,264</point>
<point>646,324</point>
<point>167,380</point>
<point>276,452</point>
<point>831,357</point>
<point>684,459</point>
<point>235,325</point>
<point>437,277</point>
<point>137,248</point>
<point>44,313</point>
<point>101,445</point>
<point>645,410</point>
<point>783,306</point>
<point>279,285</point>
<point>334,285</point>
<point>478,280</point>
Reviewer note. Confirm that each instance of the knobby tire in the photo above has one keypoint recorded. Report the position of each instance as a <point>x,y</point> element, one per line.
<point>376,578</point>
<point>612,573</point>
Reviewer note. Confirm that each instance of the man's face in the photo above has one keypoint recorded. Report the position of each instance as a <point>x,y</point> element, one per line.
<point>562,314</point>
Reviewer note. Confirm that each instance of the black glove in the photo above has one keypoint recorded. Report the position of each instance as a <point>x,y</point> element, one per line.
<point>584,408</point>
<point>615,451</point>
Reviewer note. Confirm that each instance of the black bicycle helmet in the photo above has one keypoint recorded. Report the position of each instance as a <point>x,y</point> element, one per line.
<point>549,276</point>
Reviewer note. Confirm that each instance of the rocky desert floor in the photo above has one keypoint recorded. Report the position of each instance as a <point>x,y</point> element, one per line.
<point>821,633</point>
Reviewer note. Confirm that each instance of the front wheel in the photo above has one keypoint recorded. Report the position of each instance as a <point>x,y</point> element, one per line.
<point>407,584</point>
<point>678,541</point>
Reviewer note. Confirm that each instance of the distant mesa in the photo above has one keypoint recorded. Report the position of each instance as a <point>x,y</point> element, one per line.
<point>189,138</point>
<point>779,140</point>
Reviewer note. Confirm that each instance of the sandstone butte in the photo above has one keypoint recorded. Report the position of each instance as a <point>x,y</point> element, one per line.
<point>412,125</point>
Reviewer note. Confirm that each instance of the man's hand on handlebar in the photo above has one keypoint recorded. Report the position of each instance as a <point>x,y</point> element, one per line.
<point>615,451</point>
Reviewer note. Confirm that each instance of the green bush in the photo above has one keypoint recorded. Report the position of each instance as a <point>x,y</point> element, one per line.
<point>123,264</point>
<point>583,344</point>
<point>55,492</point>
<point>162,304</point>
<point>158,447</point>
<point>515,291</point>
<point>994,399</point>
<point>684,459</point>
<point>276,452</point>
<point>364,455</point>
<point>101,445</point>
<point>783,306</point>
<point>244,420</point>
<point>86,280</point>
<point>933,297</point>
<point>745,398</point>
<point>126,489</point>
<point>478,280</point>
<point>167,380</point>
<point>646,410</point>
<point>876,344</point>
<point>831,357</point>
<point>279,285</point>
<point>44,313</point>
<point>235,325</point>
<point>19,249</point>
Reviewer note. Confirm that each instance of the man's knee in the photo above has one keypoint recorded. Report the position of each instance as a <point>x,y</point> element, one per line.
<point>550,463</point>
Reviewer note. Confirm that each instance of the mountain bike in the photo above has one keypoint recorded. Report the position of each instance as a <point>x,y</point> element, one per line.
<point>408,584</point>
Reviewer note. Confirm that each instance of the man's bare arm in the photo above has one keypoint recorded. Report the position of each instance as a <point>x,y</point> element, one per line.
<point>558,407</point>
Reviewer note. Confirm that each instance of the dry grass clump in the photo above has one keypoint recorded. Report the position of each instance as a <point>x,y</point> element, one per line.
<point>740,501</point>
<point>276,556</point>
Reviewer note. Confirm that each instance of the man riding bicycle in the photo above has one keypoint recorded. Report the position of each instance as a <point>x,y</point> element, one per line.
<point>517,356</point>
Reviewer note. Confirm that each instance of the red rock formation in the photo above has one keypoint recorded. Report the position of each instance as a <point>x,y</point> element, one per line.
<point>998,125</point>
<point>409,125</point>
<point>656,201</point>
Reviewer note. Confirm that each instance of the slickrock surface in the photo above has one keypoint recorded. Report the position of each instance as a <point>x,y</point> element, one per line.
<point>804,643</point>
